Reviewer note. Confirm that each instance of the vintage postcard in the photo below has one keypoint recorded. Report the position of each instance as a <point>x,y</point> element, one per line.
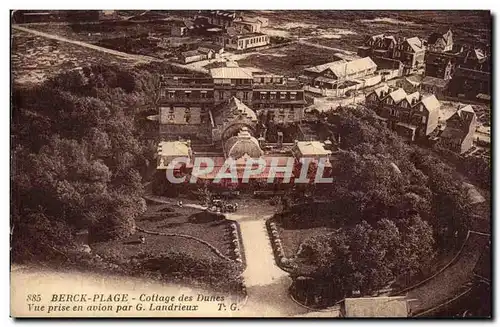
<point>250,163</point>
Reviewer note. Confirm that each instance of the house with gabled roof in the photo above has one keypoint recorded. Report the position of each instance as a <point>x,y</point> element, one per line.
<point>458,135</point>
<point>440,41</point>
<point>412,115</point>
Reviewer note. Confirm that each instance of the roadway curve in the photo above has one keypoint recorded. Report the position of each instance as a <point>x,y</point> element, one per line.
<point>449,282</point>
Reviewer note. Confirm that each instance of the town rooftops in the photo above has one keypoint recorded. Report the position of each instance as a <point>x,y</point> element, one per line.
<point>398,95</point>
<point>415,96</point>
<point>381,90</point>
<point>374,307</point>
<point>446,35</point>
<point>431,103</point>
<point>416,44</point>
<point>230,73</point>
<point>342,68</point>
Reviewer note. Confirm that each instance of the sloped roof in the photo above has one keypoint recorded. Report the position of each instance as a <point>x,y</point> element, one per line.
<point>431,103</point>
<point>235,104</point>
<point>311,148</point>
<point>416,43</point>
<point>398,95</point>
<point>378,91</point>
<point>341,68</point>
<point>374,307</point>
<point>413,96</point>
<point>230,72</point>
<point>204,50</point>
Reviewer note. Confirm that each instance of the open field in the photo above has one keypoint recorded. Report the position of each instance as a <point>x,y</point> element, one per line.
<point>289,60</point>
<point>35,58</point>
<point>332,27</point>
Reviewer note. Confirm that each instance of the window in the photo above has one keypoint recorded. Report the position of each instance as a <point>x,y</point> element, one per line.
<point>293,95</point>
<point>282,110</point>
<point>283,95</point>
<point>171,94</point>
<point>203,94</point>
<point>263,95</point>
<point>292,109</point>
<point>245,95</point>
<point>171,110</point>
<point>424,119</point>
<point>273,95</point>
<point>188,94</point>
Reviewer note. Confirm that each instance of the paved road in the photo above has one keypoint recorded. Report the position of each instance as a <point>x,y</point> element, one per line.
<point>449,282</point>
<point>134,57</point>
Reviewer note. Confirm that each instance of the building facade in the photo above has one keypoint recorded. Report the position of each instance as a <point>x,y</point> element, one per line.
<point>243,41</point>
<point>413,116</point>
<point>411,51</point>
<point>191,105</point>
<point>458,135</point>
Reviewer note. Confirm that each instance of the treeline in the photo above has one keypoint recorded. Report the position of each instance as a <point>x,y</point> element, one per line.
<point>78,152</point>
<point>395,205</point>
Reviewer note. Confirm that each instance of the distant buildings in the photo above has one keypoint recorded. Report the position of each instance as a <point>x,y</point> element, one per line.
<point>458,135</point>
<point>244,41</point>
<point>440,42</point>
<point>411,51</point>
<point>456,70</point>
<point>338,77</point>
<point>240,32</point>
<point>412,116</point>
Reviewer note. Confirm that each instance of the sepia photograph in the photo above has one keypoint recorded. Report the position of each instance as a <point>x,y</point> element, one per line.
<point>250,163</point>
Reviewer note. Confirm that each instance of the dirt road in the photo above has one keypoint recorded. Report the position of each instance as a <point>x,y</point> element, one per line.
<point>132,57</point>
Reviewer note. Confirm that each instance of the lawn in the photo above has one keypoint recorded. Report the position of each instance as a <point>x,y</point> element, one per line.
<point>166,219</point>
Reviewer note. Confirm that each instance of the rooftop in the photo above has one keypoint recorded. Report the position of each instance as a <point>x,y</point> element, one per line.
<point>342,68</point>
<point>311,148</point>
<point>231,73</point>
<point>416,44</point>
